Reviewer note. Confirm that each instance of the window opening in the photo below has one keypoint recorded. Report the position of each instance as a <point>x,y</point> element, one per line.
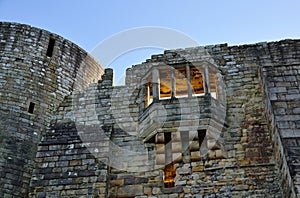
<point>197,81</point>
<point>213,85</point>
<point>50,47</point>
<point>31,107</point>
<point>181,84</point>
<point>165,85</point>
<point>169,171</point>
<point>149,91</point>
<point>177,82</point>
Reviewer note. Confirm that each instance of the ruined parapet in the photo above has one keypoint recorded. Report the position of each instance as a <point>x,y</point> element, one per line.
<point>37,70</point>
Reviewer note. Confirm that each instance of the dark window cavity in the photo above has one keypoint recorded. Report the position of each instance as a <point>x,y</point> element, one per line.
<point>50,47</point>
<point>202,141</point>
<point>169,172</point>
<point>31,107</point>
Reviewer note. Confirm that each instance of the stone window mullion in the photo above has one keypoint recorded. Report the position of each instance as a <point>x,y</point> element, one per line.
<point>206,80</point>
<point>155,83</point>
<point>173,91</point>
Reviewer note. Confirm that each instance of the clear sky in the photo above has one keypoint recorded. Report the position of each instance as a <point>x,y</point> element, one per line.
<point>88,23</point>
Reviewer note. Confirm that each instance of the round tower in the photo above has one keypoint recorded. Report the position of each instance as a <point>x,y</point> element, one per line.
<point>37,70</point>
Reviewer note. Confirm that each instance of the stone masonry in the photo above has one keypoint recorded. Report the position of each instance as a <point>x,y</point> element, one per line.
<point>38,70</point>
<point>214,121</point>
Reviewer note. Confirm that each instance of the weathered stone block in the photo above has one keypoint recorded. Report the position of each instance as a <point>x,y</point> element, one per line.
<point>131,190</point>
<point>119,182</point>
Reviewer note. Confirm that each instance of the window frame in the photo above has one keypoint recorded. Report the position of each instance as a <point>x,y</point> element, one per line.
<point>203,69</point>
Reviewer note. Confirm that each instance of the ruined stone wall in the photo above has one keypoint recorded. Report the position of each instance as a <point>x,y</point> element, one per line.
<point>256,163</point>
<point>117,163</point>
<point>37,70</point>
<point>281,81</point>
<point>90,141</point>
<point>249,167</point>
<point>278,68</point>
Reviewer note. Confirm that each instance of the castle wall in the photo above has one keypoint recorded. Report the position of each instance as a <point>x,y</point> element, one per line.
<point>73,157</point>
<point>249,167</point>
<point>243,164</point>
<point>262,154</point>
<point>63,133</point>
<point>37,70</point>
<point>282,90</point>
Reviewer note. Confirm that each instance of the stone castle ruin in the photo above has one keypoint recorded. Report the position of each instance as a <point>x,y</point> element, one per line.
<point>214,121</point>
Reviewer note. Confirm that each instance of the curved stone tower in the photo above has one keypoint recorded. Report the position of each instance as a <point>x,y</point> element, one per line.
<point>37,70</point>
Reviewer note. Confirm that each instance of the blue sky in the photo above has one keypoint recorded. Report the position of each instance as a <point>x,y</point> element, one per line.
<point>88,23</point>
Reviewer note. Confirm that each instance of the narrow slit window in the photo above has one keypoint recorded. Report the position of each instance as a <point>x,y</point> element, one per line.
<point>50,47</point>
<point>31,107</point>
<point>169,172</point>
<point>202,141</point>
